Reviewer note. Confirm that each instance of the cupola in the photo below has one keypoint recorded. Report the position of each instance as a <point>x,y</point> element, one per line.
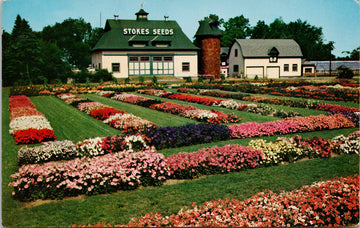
<point>141,15</point>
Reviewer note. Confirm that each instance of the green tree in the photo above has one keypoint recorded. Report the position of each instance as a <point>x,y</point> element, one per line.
<point>353,55</point>
<point>22,54</point>
<point>235,28</point>
<point>260,31</point>
<point>94,37</point>
<point>72,37</point>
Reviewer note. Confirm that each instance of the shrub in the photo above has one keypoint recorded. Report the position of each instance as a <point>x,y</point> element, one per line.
<point>344,72</point>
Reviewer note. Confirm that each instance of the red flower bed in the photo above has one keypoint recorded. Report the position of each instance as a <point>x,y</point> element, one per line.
<point>33,136</point>
<point>336,108</point>
<point>104,113</point>
<point>20,101</point>
<point>327,203</point>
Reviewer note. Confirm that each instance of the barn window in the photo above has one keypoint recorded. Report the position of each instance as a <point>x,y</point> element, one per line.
<point>236,52</point>
<point>185,66</point>
<point>115,67</point>
<point>286,67</point>
<point>236,68</point>
<point>295,67</point>
<point>308,70</point>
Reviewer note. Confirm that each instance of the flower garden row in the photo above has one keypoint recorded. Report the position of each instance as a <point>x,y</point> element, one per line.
<point>230,104</point>
<point>127,123</point>
<point>313,92</point>
<point>327,203</point>
<point>351,113</point>
<point>121,163</point>
<point>27,124</point>
<point>188,111</point>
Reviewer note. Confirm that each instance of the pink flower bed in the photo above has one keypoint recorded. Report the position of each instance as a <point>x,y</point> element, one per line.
<point>327,203</point>
<point>130,98</point>
<point>291,125</point>
<point>100,174</point>
<point>213,160</point>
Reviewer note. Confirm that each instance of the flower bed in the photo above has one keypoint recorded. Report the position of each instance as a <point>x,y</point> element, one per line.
<point>351,113</point>
<point>183,110</point>
<point>229,104</point>
<point>48,151</point>
<point>213,160</point>
<point>190,134</point>
<point>289,89</point>
<point>326,203</point>
<point>66,150</point>
<point>291,125</point>
<point>277,152</point>
<point>27,125</point>
<point>102,174</point>
<point>349,144</point>
<point>127,123</point>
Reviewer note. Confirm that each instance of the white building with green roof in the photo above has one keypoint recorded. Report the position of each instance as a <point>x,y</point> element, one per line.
<point>145,47</point>
<point>265,58</point>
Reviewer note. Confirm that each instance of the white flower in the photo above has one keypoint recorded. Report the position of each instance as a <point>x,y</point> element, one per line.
<point>26,122</point>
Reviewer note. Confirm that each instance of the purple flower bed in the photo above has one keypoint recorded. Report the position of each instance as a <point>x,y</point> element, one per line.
<point>190,134</point>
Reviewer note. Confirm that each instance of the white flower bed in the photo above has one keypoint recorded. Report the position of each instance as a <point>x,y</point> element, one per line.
<point>276,152</point>
<point>350,144</point>
<point>90,147</point>
<point>200,114</point>
<point>26,122</point>
<point>48,151</point>
<point>230,104</point>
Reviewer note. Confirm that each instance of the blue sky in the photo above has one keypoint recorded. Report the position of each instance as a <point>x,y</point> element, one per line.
<point>338,18</point>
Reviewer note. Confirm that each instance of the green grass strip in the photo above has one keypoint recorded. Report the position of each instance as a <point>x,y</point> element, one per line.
<point>70,123</point>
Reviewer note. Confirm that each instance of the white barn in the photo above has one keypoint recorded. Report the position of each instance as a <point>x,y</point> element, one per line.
<point>265,58</point>
<point>145,47</point>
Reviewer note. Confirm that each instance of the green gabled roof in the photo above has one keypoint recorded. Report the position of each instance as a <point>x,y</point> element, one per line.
<point>115,39</point>
<point>207,27</point>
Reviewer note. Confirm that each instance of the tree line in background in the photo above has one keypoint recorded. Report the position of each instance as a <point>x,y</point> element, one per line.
<point>309,37</point>
<point>48,56</point>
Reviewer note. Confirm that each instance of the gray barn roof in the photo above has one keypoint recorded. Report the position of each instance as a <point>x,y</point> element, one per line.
<point>261,47</point>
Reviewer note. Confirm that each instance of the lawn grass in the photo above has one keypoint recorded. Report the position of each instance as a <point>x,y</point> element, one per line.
<point>69,122</point>
<point>119,207</point>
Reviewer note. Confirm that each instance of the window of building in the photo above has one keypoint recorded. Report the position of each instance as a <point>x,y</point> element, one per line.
<point>295,67</point>
<point>236,52</point>
<point>236,68</point>
<point>286,67</point>
<point>115,67</point>
<point>273,59</point>
<point>151,65</point>
<point>308,70</point>
<point>185,66</point>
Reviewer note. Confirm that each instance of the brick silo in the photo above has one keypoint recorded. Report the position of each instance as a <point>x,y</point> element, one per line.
<point>208,39</point>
